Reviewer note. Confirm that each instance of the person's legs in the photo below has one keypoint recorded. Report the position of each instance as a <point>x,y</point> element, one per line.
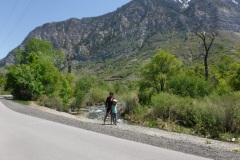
<point>115,118</point>
<point>112,118</point>
<point>105,117</point>
<point>114,115</point>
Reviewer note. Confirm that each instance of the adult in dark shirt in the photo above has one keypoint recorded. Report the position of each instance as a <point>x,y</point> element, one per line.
<point>108,105</point>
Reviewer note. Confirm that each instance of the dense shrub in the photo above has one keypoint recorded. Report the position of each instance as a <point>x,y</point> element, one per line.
<point>119,88</point>
<point>189,86</point>
<point>145,93</point>
<point>2,83</point>
<point>229,104</point>
<point>83,85</point>
<point>131,102</point>
<point>222,87</point>
<point>139,114</point>
<point>163,104</point>
<point>209,116</point>
<point>95,96</point>
<point>235,77</point>
<point>52,102</point>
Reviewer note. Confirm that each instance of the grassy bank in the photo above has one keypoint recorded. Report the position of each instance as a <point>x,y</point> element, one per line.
<point>216,116</point>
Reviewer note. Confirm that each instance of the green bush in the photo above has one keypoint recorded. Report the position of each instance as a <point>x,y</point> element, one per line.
<point>145,93</point>
<point>229,104</point>
<point>189,86</point>
<point>2,83</point>
<point>103,85</point>
<point>41,100</point>
<point>235,77</point>
<point>209,116</point>
<point>83,85</point>
<point>131,102</point>
<point>52,102</point>
<point>222,87</point>
<point>141,114</point>
<point>163,104</point>
<point>95,96</point>
<point>202,115</point>
<point>218,114</point>
<point>177,109</point>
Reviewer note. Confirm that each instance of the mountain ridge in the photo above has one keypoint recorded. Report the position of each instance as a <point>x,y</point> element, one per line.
<point>134,27</point>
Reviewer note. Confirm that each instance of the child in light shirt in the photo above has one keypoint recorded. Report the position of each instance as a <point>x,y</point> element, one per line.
<point>114,112</point>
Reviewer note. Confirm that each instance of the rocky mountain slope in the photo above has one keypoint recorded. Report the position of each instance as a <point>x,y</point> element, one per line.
<point>137,27</point>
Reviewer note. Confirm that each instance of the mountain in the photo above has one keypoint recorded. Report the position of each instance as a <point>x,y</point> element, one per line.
<point>135,30</point>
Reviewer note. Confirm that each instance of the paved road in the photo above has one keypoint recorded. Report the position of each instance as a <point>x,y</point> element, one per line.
<point>24,137</point>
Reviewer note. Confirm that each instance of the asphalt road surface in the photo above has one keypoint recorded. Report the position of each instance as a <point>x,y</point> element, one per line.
<point>24,137</point>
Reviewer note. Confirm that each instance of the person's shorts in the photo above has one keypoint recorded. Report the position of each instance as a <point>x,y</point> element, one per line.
<point>114,115</point>
<point>108,109</point>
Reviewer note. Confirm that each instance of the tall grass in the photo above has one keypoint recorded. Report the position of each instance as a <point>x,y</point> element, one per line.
<point>210,117</point>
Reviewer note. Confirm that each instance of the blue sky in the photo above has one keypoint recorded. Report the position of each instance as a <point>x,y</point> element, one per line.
<point>19,17</point>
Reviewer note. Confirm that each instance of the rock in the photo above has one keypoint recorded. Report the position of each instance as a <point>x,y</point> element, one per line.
<point>128,29</point>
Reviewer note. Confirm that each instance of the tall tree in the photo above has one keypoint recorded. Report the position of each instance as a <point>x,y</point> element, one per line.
<point>40,49</point>
<point>161,67</point>
<point>207,36</point>
<point>36,74</point>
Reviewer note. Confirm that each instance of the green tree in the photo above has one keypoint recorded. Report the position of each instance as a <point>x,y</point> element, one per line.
<point>21,82</point>
<point>235,76</point>
<point>39,49</point>
<point>29,81</point>
<point>224,66</point>
<point>222,74</point>
<point>2,82</point>
<point>35,73</point>
<point>159,69</point>
<point>187,85</point>
<point>83,85</point>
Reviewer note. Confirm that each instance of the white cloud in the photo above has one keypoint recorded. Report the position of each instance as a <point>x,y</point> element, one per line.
<point>234,1</point>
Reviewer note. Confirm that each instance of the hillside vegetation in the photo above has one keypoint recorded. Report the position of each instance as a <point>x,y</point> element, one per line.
<point>185,47</point>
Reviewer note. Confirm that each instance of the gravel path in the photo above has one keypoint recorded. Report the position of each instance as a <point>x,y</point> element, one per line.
<point>179,142</point>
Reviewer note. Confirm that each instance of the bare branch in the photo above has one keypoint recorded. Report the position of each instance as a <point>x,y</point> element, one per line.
<point>207,38</point>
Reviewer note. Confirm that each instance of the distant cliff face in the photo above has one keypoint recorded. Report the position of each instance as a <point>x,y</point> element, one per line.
<point>99,37</point>
<point>129,28</point>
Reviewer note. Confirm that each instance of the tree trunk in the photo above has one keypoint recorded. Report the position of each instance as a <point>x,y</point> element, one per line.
<point>206,65</point>
<point>207,39</point>
<point>162,85</point>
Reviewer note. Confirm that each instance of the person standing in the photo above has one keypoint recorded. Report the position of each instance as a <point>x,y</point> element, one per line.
<point>108,105</point>
<point>114,112</point>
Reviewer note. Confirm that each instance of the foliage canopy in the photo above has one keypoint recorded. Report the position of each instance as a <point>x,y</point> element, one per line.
<point>35,73</point>
<point>159,69</point>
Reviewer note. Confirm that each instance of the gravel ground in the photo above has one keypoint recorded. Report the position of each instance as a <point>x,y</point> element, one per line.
<point>174,141</point>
